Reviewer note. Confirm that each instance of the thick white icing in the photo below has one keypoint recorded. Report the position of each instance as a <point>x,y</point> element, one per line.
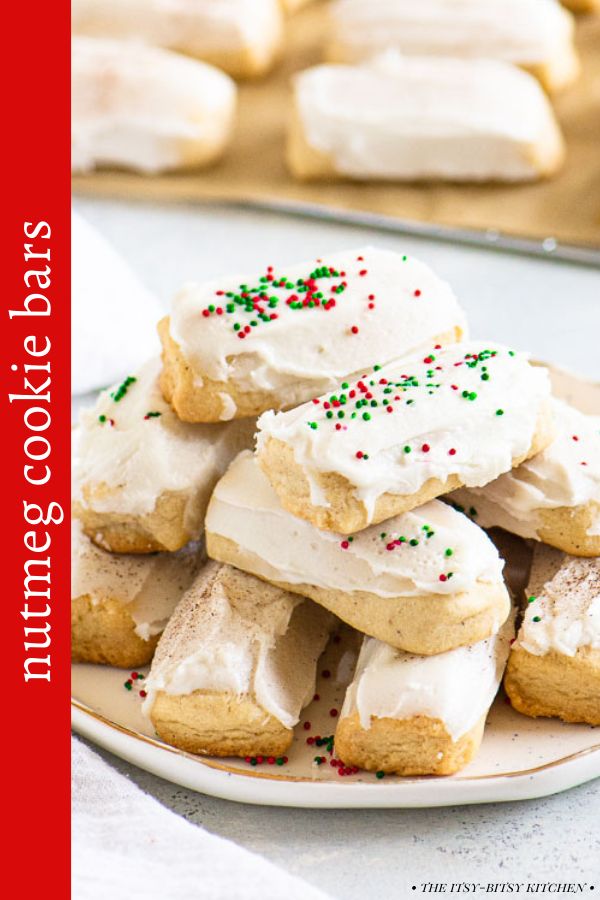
<point>525,32</point>
<point>565,474</point>
<point>415,117</point>
<point>565,614</point>
<point>198,27</point>
<point>457,687</point>
<point>244,508</point>
<point>446,433</point>
<point>231,633</point>
<point>145,108</point>
<point>324,346</point>
<point>126,466</point>
<point>150,586</point>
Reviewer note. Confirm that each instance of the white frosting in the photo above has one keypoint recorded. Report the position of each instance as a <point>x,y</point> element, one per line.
<point>245,509</point>
<point>565,474</point>
<point>145,108</point>
<point>447,433</point>
<point>564,613</point>
<point>324,347</point>
<point>231,633</point>
<point>416,117</point>
<point>525,32</point>
<point>456,687</point>
<point>150,586</point>
<point>126,466</point>
<point>202,28</point>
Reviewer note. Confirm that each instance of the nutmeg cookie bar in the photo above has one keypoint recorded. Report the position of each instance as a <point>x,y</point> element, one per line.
<point>538,37</point>
<point>143,478</point>
<point>146,109</point>
<point>237,346</point>
<point>553,497</point>
<point>242,37</point>
<point>422,118</point>
<point>416,715</point>
<point>404,433</point>
<point>554,665</point>
<point>120,604</point>
<point>425,581</point>
<point>235,666</point>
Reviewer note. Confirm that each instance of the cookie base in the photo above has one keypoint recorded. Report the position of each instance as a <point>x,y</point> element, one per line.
<point>345,514</point>
<point>415,746</point>
<point>566,528</point>
<point>425,625</point>
<point>104,632</point>
<point>213,724</point>
<point>555,685</point>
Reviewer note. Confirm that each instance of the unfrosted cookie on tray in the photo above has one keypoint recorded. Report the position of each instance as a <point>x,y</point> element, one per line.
<point>405,433</point>
<point>146,109</point>
<point>120,603</point>
<point>538,37</point>
<point>237,346</point>
<point>142,478</point>
<point>554,665</point>
<point>417,715</point>
<point>415,118</point>
<point>553,497</point>
<point>426,581</point>
<point>242,37</point>
<point>235,666</point>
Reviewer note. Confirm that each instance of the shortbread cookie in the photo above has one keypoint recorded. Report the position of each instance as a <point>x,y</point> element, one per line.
<point>405,433</point>
<point>553,497</point>
<point>426,581</point>
<point>242,37</point>
<point>415,118</point>
<point>554,665</point>
<point>240,345</point>
<point>582,6</point>
<point>146,109</point>
<point>143,478</point>
<point>120,604</point>
<point>415,715</point>
<point>536,36</point>
<point>235,666</point>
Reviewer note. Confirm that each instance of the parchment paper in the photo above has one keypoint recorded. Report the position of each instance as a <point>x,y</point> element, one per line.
<point>566,207</point>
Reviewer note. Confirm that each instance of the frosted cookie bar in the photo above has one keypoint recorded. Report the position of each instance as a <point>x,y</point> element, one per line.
<point>242,37</point>
<point>422,118</point>
<point>554,665</point>
<point>553,497</point>
<point>416,715</point>
<point>539,37</point>
<point>143,478</point>
<point>237,346</point>
<point>235,666</point>
<point>426,581</point>
<point>120,604</point>
<point>146,109</point>
<point>404,433</point>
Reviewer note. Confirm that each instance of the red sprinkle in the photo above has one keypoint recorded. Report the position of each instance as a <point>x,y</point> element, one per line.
<point>451,451</point>
<point>271,760</point>
<point>317,697</point>
<point>417,293</point>
<point>306,726</point>
<point>354,329</point>
<point>443,578</point>
<point>326,673</point>
<point>425,448</point>
<point>333,713</point>
<point>344,545</point>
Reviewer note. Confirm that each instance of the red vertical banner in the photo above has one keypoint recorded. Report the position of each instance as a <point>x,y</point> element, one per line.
<point>35,222</point>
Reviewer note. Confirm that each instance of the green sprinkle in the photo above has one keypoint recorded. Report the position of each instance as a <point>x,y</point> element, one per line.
<point>313,425</point>
<point>407,449</point>
<point>102,419</point>
<point>380,775</point>
<point>414,542</point>
<point>531,599</point>
<point>448,552</point>
<point>499,412</point>
<point>537,619</point>
<point>366,416</point>
<point>472,511</point>
<point>279,760</point>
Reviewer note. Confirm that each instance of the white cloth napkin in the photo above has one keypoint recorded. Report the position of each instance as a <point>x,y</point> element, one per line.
<point>113,315</point>
<point>127,846</point>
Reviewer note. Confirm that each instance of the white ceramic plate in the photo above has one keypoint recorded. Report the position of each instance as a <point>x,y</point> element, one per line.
<point>520,758</point>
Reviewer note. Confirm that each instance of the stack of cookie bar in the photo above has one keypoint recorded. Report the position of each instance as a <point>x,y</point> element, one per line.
<point>373,405</point>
